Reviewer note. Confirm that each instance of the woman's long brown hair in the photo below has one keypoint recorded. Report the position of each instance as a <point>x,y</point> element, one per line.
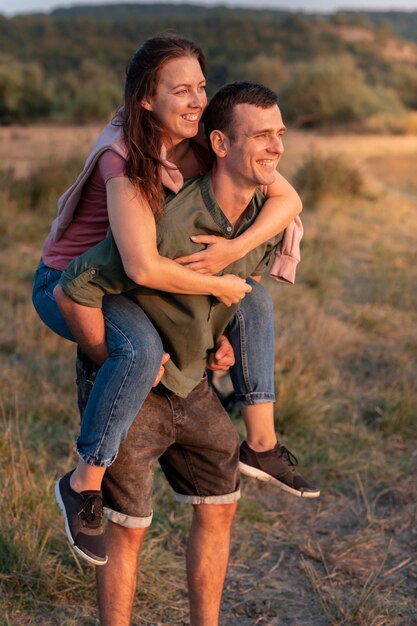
<point>142,133</point>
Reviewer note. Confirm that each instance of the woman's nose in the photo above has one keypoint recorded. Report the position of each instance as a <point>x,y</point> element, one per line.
<point>198,99</point>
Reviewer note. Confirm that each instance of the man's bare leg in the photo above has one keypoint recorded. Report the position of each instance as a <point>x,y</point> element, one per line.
<point>116,581</point>
<point>207,558</point>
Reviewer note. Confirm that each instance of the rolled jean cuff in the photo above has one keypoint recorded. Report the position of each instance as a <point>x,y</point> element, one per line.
<point>255,397</point>
<point>128,521</point>
<point>227,498</point>
<point>91,460</point>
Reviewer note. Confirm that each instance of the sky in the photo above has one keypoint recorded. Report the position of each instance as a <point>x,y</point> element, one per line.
<point>13,7</point>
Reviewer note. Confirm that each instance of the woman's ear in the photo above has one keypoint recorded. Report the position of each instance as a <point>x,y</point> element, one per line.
<point>146,105</point>
<point>218,143</point>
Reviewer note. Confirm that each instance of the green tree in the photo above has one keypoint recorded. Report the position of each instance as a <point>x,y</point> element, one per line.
<point>403,78</point>
<point>24,92</point>
<point>269,71</point>
<point>332,91</point>
<point>92,92</point>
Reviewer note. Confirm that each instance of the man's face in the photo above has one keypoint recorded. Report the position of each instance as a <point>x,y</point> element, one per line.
<point>254,146</point>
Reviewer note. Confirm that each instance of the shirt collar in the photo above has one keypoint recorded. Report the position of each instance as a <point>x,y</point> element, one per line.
<point>217,214</point>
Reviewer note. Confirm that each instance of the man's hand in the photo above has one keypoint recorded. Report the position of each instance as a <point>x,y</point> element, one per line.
<point>223,357</point>
<point>165,358</point>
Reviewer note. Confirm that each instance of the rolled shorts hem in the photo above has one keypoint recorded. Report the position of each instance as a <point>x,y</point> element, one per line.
<point>128,521</point>
<point>227,498</point>
<point>250,399</point>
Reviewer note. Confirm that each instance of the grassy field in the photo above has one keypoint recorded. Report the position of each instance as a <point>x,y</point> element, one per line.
<point>346,376</point>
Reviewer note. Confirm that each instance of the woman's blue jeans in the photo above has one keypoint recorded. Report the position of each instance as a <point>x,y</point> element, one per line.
<point>251,333</point>
<point>125,379</point>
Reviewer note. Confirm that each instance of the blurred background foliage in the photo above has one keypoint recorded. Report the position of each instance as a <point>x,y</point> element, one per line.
<point>353,69</point>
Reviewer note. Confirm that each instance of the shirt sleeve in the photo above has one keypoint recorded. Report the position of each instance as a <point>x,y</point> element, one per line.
<point>96,273</point>
<point>287,255</point>
<point>111,165</point>
<point>264,262</point>
<point>77,282</point>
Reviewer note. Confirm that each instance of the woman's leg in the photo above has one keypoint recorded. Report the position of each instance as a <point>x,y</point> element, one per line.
<point>46,279</point>
<point>120,387</point>
<point>251,334</point>
<point>122,383</point>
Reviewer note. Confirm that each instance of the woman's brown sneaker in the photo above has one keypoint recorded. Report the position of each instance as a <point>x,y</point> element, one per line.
<point>83,514</point>
<point>277,466</point>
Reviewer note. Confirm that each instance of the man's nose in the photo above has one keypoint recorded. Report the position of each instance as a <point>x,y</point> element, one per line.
<point>276,145</point>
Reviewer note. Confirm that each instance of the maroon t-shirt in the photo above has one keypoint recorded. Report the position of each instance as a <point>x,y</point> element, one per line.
<point>91,220</point>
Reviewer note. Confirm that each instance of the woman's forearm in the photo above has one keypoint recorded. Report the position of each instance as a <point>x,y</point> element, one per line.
<point>134,230</point>
<point>165,275</point>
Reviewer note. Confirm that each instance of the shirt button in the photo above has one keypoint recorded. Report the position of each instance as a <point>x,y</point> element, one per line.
<point>229,229</point>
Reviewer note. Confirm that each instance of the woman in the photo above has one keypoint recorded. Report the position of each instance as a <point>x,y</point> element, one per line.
<point>122,186</point>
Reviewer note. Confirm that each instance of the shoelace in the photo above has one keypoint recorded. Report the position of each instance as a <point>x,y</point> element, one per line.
<point>288,456</point>
<point>92,511</point>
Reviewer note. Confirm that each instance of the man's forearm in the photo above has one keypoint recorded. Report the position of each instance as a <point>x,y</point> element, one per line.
<point>86,324</point>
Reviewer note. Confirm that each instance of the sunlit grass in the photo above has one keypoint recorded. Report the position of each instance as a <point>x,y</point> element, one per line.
<point>346,362</point>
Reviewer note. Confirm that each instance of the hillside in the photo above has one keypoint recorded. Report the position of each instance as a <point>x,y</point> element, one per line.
<point>329,70</point>
<point>402,23</point>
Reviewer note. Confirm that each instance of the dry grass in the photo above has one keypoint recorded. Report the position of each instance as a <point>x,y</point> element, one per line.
<point>23,149</point>
<point>346,363</point>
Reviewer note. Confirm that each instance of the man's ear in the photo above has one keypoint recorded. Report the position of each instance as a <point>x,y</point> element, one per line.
<point>219,143</point>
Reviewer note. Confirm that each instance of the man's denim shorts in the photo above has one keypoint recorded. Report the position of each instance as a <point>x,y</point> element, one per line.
<point>193,439</point>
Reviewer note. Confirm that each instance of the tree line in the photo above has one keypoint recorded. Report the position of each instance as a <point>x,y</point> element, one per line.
<point>328,70</point>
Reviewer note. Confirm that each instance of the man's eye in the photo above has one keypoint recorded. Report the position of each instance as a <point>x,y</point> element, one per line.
<point>182,92</point>
<point>202,88</point>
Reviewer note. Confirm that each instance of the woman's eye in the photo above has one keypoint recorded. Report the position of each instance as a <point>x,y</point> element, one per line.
<point>182,92</point>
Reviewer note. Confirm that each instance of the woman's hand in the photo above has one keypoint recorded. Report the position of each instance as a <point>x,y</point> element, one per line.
<point>232,289</point>
<point>220,253</point>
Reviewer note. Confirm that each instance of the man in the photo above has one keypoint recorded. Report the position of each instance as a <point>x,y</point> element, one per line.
<point>182,424</point>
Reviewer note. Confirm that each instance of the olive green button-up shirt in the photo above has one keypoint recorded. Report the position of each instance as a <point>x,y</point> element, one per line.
<point>189,326</point>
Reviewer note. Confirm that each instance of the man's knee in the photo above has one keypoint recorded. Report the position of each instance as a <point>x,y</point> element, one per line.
<point>214,517</point>
<point>124,540</point>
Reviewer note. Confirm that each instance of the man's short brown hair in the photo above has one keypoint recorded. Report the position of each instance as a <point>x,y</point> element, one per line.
<point>219,113</point>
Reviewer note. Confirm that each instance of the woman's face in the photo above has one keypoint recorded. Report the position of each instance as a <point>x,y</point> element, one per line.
<point>180,98</point>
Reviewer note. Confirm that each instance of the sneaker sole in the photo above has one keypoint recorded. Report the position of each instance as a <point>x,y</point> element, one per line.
<point>76,549</point>
<point>252,472</point>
